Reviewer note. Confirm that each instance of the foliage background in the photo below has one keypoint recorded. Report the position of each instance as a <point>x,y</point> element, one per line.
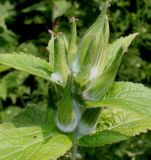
<point>24,27</point>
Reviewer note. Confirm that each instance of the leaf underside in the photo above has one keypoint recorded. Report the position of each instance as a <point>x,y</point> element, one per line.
<point>32,135</point>
<point>27,63</point>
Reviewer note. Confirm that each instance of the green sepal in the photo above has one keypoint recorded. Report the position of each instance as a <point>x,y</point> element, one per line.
<point>99,86</point>
<point>82,77</point>
<point>96,55</point>
<point>123,42</point>
<point>68,111</point>
<point>95,32</point>
<point>99,57</point>
<point>88,121</point>
<point>72,48</point>
<point>50,49</point>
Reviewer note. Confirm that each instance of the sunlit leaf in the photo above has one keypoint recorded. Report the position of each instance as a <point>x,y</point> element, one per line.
<point>116,124</point>
<point>135,97</point>
<point>32,136</point>
<point>27,63</point>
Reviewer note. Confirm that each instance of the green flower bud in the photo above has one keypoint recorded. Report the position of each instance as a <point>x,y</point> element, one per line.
<point>99,86</point>
<point>68,111</point>
<point>61,69</point>
<point>91,56</point>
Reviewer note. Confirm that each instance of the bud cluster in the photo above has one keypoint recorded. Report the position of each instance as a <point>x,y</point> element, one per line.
<point>83,72</point>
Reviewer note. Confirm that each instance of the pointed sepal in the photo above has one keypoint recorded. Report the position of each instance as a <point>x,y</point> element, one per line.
<point>99,86</point>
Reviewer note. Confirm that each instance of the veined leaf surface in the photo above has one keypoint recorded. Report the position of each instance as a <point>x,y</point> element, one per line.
<point>116,124</point>
<point>32,135</point>
<point>135,97</point>
<point>27,63</point>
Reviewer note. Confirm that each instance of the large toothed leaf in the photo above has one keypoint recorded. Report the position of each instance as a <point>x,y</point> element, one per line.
<point>116,124</point>
<point>128,95</point>
<point>27,63</point>
<point>32,136</point>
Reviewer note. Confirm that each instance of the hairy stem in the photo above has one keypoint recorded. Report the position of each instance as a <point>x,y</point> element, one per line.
<point>1,108</point>
<point>74,146</point>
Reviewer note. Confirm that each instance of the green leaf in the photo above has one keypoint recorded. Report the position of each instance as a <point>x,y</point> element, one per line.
<point>12,82</point>
<point>40,6</point>
<point>3,90</point>
<point>5,12</point>
<point>122,42</point>
<point>59,8</point>
<point>9,113</point>
<point>27,63</point>
<point>128,95</point>
<point>116,124</point>
<point>4,68</point>
<point>32,135</point>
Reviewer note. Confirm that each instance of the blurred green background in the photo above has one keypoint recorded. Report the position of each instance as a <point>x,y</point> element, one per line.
<point>24,27</point>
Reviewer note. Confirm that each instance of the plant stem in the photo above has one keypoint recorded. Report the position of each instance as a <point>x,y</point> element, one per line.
<point>75,146</point>
<point>1,106</point>
<point>1,109</point>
